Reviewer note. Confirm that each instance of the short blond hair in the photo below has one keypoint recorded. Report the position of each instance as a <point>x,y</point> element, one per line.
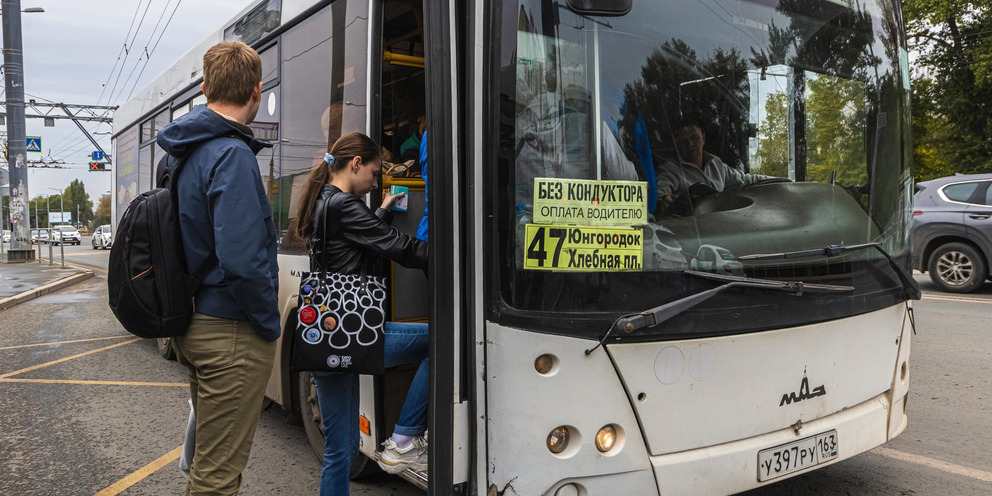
<point>231,71</point>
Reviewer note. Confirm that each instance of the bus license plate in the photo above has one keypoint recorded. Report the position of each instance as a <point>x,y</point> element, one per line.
<point>797,455</point>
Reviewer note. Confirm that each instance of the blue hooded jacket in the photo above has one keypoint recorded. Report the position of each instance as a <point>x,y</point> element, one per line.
<point>422,228</point>
<point>223,208</point>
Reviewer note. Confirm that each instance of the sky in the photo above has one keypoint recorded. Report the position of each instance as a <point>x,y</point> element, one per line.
<point>75,47</point>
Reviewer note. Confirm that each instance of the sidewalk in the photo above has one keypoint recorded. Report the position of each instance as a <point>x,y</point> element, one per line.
<point>20,282</point>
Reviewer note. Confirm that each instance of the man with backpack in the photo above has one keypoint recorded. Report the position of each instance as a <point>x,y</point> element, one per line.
<point>228,237</point>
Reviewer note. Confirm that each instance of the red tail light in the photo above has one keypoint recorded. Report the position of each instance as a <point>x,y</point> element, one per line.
<point>917,212</point>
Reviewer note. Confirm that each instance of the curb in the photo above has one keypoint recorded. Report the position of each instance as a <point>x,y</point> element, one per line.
<point>44,290</point>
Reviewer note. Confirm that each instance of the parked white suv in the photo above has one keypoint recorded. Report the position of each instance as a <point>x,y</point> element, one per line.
<point>65,234</point>
<point>102,237</point>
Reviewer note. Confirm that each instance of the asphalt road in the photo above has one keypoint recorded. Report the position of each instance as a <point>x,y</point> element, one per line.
<point>99,412</point>
<point>943,450</point>
<point>83,254</point>
<point>103,407</point>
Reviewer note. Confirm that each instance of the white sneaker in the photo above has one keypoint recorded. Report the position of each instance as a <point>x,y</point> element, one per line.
<point>394,459</point>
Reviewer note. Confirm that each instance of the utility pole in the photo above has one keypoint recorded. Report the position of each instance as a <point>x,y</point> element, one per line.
<point>13,62</point>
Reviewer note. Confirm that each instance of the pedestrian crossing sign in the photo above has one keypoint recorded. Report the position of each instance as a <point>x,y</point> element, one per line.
<point>34,144</point>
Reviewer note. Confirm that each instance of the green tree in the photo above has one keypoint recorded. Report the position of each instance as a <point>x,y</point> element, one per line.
<point>78,202</point>
<point>835,138</point>
<point>38,208</point>
<point>773,136</point>
<point>676,84</point>
<point>952,82</point>
<point>835,123</point>
<point>102,214</point>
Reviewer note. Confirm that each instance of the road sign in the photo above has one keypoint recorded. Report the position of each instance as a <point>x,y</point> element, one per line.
<point>34,144</point>
<point>97,155</point>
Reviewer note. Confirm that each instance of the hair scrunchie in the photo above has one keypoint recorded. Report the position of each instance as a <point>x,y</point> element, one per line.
<point>329,159</point>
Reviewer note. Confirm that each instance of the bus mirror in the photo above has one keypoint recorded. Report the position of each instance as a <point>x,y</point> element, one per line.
<point>601,7</point>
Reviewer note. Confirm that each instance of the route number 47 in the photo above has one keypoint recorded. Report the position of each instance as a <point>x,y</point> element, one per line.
<point>538,253</point>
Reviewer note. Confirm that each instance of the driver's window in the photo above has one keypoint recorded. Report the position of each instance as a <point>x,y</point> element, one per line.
<point>769,149</point>
<point>832,125</point>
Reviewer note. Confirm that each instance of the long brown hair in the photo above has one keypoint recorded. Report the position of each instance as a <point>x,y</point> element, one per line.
<point>344,150</point>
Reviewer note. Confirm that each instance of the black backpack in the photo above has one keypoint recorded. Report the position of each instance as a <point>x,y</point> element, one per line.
<point>150,292</point>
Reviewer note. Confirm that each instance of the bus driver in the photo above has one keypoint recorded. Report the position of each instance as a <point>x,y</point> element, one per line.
<point>697,167</point>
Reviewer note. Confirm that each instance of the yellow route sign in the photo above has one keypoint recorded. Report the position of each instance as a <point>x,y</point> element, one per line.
<point>583,249</point>
<point>586,202</point>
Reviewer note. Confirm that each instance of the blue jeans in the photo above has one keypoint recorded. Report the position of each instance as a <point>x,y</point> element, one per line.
<point>337,395</point>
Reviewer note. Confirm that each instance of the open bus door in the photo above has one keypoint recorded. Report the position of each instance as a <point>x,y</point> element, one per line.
<point>450,308</point>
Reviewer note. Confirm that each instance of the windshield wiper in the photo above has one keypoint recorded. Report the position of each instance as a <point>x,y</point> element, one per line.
<point>911,288</point>
<point>657,315</point>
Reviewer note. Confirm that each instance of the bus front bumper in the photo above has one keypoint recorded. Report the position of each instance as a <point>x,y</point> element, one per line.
<point>733,467</point>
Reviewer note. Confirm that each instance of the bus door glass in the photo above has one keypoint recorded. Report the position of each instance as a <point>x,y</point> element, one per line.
<point>323,94</point>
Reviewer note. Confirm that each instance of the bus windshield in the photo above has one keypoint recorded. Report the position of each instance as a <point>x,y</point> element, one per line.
<point>687,136</point>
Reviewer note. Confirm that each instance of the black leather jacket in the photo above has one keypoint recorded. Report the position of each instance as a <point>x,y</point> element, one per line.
<point>354,236</point>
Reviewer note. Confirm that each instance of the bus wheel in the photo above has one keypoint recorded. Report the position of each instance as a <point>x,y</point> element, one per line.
<point>165,348</point>
<point>306,397</point>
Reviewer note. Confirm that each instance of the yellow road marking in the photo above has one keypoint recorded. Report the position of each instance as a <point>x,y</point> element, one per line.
<point>935,464</point>
<point>66,359</point>
<point>103,383</point>
<point>141,473</point>
<point>63,342</point>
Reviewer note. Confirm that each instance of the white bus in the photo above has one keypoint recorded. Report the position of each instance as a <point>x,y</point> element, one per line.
<point>598,319</point>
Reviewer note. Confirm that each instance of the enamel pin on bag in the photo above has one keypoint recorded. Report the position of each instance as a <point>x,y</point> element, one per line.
<point>340,319</point>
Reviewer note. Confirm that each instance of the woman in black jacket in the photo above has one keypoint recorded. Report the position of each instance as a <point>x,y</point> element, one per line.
<point>356,238</point>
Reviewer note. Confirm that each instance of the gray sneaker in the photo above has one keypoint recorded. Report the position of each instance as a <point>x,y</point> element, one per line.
<point>394,459</point>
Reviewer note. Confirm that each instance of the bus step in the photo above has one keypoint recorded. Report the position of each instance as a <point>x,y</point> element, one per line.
<point>415,477</point>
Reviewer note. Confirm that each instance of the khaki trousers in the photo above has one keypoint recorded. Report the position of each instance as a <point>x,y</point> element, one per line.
<point>229,366</point>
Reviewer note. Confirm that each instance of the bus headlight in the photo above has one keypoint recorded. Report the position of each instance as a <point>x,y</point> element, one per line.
<point>558,439</point>
<point>546,364</point>
<point>605,438</point>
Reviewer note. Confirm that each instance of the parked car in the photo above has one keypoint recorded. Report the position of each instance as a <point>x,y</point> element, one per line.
<point>6,236</point>
<point>102,238</point>
<point>66,234</point>
<point>710,258</point>
<point>952,231</point>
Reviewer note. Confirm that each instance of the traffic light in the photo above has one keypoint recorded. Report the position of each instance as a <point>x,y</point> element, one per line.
<point>97,166</point>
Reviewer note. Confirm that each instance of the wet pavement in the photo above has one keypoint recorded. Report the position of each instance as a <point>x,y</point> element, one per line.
<point>89,409</point>
<point>16,278</point>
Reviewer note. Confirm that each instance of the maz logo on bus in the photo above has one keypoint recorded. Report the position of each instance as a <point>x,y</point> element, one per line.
<point>804,392</point>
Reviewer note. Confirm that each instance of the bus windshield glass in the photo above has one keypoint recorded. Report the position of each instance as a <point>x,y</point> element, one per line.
<point>685,136</point>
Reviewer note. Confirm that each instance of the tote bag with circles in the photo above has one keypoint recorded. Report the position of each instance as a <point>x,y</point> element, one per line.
<point>340,321</point>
